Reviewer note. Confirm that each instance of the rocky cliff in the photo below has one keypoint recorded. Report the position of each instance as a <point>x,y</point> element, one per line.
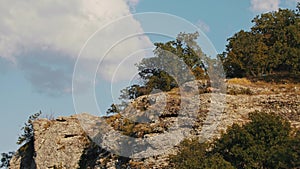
<point>86,141</point>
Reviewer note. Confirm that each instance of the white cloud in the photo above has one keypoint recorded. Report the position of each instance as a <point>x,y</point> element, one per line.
<point>264,5</point>
<point>203,26</point>
<point>61,27</point>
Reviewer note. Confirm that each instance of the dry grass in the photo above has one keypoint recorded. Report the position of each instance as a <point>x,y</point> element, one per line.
<point>240,81</point>
<point>50,116</point>
<point>270,87</point>
<point>265,87</point>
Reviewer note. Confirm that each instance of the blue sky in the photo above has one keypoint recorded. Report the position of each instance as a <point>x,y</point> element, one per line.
<point>39,48</point>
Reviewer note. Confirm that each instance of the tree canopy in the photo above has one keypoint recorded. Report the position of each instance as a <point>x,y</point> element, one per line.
<point>271,46</point>
<point>175,63</point>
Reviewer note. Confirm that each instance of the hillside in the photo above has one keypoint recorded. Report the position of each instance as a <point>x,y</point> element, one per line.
<point>69,142</point>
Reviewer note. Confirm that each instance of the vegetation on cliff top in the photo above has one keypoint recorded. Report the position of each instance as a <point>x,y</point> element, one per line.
<point>272,46</point>
<point>270,51</point>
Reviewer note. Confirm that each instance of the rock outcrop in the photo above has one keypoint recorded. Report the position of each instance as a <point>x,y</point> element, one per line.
<point>86,141</point>
<point>58,143</point>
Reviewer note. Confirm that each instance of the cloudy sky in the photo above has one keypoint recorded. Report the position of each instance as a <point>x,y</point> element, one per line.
<point>46,44</point>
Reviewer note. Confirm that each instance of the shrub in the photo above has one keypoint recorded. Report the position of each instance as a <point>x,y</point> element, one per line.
<point>240,91</point>
<point>265,142</point>
<point>5,159</point>
<point>193,154</point>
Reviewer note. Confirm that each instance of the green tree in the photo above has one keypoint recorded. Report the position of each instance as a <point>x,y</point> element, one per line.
<point>175,58</point>
<point>175,62</point>
<point>27,134</point>
<point>281,34</point>
<point>246,55</point>
<point>272,46</point>
<point>26,137</point>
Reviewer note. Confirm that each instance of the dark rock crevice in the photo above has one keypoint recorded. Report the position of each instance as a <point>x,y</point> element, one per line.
<point>24,158</point>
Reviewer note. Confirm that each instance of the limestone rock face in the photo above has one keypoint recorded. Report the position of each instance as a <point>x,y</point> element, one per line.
<point>73,142</point>
<point>57,143</point>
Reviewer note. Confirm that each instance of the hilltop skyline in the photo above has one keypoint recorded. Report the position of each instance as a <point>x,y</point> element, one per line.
<point>40,41</point>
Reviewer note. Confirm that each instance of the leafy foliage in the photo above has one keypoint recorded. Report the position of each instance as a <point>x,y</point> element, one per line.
<point>28,129</point>
<point>272,46</point>
<point>5,159</point>
<point>175,62</point>
<point>113,109</point>
<point>194,155</point>
<point>265,142</point>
